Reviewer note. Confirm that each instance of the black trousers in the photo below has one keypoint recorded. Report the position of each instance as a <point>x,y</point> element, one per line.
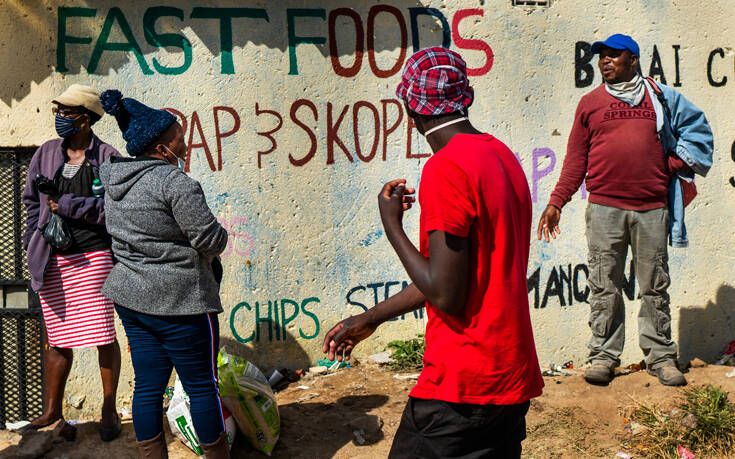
<point>437,429</point>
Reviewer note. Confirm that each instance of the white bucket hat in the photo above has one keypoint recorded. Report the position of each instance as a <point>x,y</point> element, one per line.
<point>78,95</point>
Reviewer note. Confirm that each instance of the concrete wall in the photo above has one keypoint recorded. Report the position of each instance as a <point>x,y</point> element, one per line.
<point>292,126</point>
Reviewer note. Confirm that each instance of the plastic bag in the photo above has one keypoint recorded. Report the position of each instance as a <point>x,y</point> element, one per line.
<point>728,357</point>
<point>56,232</point>
<point>245,392</point>
<point>179,419</point>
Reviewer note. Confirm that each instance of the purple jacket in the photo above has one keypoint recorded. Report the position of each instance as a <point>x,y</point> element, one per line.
<point>46,161</point>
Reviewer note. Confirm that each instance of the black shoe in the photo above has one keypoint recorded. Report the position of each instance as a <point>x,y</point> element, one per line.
<point>111,433</point>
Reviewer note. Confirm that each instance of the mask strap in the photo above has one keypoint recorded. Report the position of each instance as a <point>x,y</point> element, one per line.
<point>443,125</point>
<point>168,151</point>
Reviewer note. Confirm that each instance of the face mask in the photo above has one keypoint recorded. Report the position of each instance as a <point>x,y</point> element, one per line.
<point>65,126</point>
<point>180,162</point>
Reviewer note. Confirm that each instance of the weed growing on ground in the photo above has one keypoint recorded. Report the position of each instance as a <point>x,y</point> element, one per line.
<point>407,355</point>
<point>704,422</point>
<point>571,434</point>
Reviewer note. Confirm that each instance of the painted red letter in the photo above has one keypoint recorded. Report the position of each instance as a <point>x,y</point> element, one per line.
<point>333,134</point>
<point>355,127</point>
<point>359,42</point>
<point>371,39</point>
<point>466,43</point>
<point>198,125</point>
<point>294,108</point>
<point>389,130</point>
<point>222,135</point>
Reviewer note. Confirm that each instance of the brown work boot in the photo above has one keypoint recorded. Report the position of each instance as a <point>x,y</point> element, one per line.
<point>598,374</point>
<point>669,375</point>
<point>155,448</point>
<point>220,449</point>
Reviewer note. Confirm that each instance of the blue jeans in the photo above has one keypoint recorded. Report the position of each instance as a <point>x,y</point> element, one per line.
<point>157,345</point>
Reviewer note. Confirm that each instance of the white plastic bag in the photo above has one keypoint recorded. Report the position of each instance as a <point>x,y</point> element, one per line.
<point>179,419</point>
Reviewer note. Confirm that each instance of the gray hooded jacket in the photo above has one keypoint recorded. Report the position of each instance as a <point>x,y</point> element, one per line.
<point>164,238</point>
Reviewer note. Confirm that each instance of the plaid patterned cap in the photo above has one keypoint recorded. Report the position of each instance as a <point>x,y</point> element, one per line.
<point>434,82</point>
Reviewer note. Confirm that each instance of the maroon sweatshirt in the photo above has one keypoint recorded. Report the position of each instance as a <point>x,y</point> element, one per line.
<point>617,147</point>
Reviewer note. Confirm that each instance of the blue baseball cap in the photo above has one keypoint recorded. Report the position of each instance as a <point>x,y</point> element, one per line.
<point>617,41</point>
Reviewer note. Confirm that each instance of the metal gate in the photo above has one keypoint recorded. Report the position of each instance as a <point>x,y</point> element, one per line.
<point>21,323</point>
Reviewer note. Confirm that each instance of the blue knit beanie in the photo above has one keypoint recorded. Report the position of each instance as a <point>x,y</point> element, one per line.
<point>140,124</point>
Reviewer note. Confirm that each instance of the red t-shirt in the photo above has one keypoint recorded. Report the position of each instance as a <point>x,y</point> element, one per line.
<point>475,188</point>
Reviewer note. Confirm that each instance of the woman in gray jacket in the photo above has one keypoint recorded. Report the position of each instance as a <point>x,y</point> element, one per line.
<point>165,239</point>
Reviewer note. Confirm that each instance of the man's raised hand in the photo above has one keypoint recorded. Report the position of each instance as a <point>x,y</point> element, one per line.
<point>393,200</point>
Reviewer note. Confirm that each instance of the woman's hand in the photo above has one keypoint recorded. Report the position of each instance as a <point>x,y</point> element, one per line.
<point>53,203</point>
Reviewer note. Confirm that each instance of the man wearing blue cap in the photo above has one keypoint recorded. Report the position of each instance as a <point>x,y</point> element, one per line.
<point>637,145</point>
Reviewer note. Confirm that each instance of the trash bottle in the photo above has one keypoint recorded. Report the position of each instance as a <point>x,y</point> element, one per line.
<point>98,190</point>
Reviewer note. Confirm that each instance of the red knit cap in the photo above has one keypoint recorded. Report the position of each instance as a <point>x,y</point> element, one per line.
<point>434,82</point>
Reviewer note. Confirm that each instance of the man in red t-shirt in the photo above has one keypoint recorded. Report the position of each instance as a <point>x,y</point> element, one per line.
<point>480,364</point>
<point>615,147</point>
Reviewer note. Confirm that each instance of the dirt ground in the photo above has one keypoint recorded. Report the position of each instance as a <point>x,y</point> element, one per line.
<point>571,418</point>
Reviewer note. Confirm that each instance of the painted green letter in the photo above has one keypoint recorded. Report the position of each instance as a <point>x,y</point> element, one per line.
<point>293,40</point>
<point>232,323</point>
<point>163,40</point>
<point>131,45</point>
<point>286,320</point>
<point>225,16</point>
<point>313,317</point>
<point>63,39</point>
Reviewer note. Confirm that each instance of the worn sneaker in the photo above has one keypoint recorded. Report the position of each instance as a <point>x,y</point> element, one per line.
<point>599,374</point>
<point>669,375</point>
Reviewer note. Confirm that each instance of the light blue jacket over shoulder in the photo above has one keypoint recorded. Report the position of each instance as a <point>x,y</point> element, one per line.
<point>687,135</point>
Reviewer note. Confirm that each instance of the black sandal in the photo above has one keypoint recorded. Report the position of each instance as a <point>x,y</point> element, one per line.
<point>111,433</point>
<point>28,428</point>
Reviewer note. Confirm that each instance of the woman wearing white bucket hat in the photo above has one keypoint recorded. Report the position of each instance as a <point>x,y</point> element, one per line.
<point>68,279</point>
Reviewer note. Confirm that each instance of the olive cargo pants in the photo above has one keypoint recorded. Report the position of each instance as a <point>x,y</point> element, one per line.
<point>609,232</point>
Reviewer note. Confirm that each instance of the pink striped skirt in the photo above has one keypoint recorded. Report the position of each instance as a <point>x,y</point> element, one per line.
<point>74,310</point>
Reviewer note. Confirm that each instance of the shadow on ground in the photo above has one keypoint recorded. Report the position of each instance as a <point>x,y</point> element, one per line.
<point>87,444</point>
<point>333,420</point>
